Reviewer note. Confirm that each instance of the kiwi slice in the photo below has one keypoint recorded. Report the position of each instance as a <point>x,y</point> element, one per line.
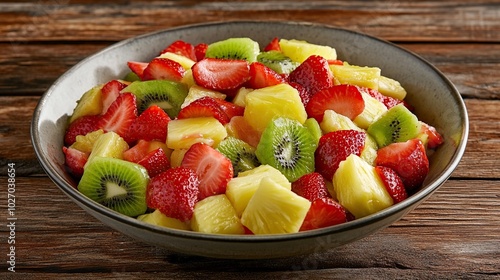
<point>168,95</point>
<point>314,128</point>
<point>277,61</point>
<point>234,48</point>
<point>131,77</point>
<point>398,124</point>
<point>287,146</point>
<point>241,154</point>
<point>117,184</point>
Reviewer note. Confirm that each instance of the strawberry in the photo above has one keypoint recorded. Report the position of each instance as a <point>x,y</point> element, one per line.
<point>137,152</point>
<point>408,159</point>
<point>434,139</point>
<point>137,67</point>
<point>230,108</point>
<point>204,107</point>
<point>335,62</point>
<point>150,125</point>
<point>221,74</point>
<point>213,168</point>
<point>304,94</point>
<point>75,161</point>
<point>80,126</point>
<point>239,128</point>
<point>393,183</point>
<point>311,186</point>
<point>120,115</point>
<point>274,45</point>
<point>343,99</point>
<point>200,50</point>
<point>388,101</point>
<point>314,74</point>
<point>181,48</point>
<point>324,212</point>
<point>155,162</point>
<point>110,92</point>
<point>174,192</point>
<point>335,147</point>
<point>163,69</point>
<point>262,76</point>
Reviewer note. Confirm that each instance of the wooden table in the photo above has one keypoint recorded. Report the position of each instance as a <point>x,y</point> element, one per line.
<point>453,235</point>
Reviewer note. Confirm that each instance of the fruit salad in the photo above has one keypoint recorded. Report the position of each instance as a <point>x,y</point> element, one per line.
<point>235,138</point>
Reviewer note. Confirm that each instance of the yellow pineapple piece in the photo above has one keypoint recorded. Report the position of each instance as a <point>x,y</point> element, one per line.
<point>188,78</point>
<point>176,157</point>
<point>299,51</point>
<point>215,214</point>
<point>263,105</point>
<point>85,143</point>
<point>157,218</point>
<point>90,104</point>
<point>185,62</point>
<point>197,92</point>
<point>333,121</point>
<point>274,209</point>
<point>369,152</point>
<point>391,87</point>
<point>239,98</point>
<point>373,110</point>
<point>356,75</point>
<point>182,133</point>
<point>359,189</point>
<point>241,189</point>
<point>109,144</point>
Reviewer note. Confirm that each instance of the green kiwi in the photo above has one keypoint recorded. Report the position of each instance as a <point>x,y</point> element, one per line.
<point>168,95</point>
<point>131,77</point>
<point>234,48</point>
<point>241,154</point>
<point>277,61</point>
<point>287,146</point>
<point>314,128</point>
<point>117,184</point>
<point>398,124</point>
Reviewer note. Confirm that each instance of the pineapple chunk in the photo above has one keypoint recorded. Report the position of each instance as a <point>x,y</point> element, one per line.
<point>90,104</point>
<point>299,50</point>
<point>369,152</point>
<point>356,75</point>
<point>188,78</point>
<point>109,144</point>
<point>239,98</point>
<point>274,209</point>
<point>241,189</point>
<point>215,214</point>
<point>157,218</point>
<point>333,121</point>
<point>176,157</point>
<point>185,62</point>
<point>373,110</point>
<point>359,189</point>
<point>185,132</point>
<point>390,87</point>
<point>197,92</point>
<point>263,105</point>
<point>85,143</point>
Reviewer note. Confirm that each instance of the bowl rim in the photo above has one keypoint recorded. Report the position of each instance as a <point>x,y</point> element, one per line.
<point>407,204</point>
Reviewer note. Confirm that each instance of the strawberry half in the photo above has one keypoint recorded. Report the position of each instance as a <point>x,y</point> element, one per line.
<point>137,67</point>
<point>163,69</point>
<point>181,48</point>
<point>388,101</point>
<point>393,183</point>
<point>204,107</point>
<point>230,108</point>
<point>137,152</point>
<point>81,126</point>
<point>262,76</point>
<point>150,125</point>
<point>311,186</point>
<point>174,192</point>
<point>200,50</point>
<point>75,160</point>
<point>213,168</point>
<point>324,212</point>
<point>434,139</point>
<point>305,95</point>
<point>221,74</point>
<point>335,147</point>
<point>274,45</point>
<point>343,99</point>
<point>408,159</point>
<point>155,162</point>
<point>110,92</point>
<point>120,115</point>
<point>314,74</point>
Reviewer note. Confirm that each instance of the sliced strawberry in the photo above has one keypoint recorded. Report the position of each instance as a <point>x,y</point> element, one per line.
<point>213,168</point>
<point>137,152</point>
<point>150,125</point>
<point>335,147</point>
<point>230,108</point>
<point>274,45</point>
<point>200,50</point>
<point>221,74</point>
<point>204,107</point>
<point>81,126</point>
<point>110,92</point>
<point>163,69</point>
<point>155,162</point>
<point>75,161</point>
<point>324,212</point>
<point>305,95</point>
<point>174,192</point>
<point>262,76</point>
<point>137,67</point>
<point>343,99</point>
<point>181,48</point>
<point>335,62</point>
<point>314,74</point>
<point>388,101</point>
<point>434,138</point>
<point>408,159</point>
<point>393,183</point>
<point>311,186</point>
<point>120,115</point>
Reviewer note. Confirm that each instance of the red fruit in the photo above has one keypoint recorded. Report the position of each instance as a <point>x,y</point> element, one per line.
<point>221,74</point>
<point>150,125</point>
<point>204,107</point>
<point>230,108</point>
<point>335,147</point>
<point>213,168</point>
<point>200,50</point>
<point>324,212</point>
<point>343,99</point>
<point>335,62</point>
<point>393,183</point>
<point>305,96</point>
<point>388,101</point>
<point>110,92</point>
<point>163,69</point>
<point>75,161</point>
<point>181,48</point>
<point>311,186</point>
<point>274,45</point>
<point>314,74</point>
<point>408,159</point>
<point>137,152</point>
<point>137,67</point>
<point>155,162</point>
<point>174,192</point>
<point>262,76</point>
<point>81,126</point>
<point>120,115</point>
<point>434,139</point>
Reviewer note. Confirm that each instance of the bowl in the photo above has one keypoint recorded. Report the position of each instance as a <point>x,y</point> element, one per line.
<point>435,98</point>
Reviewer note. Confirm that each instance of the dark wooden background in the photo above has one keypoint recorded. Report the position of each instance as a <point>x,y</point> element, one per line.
<point>453,235</point>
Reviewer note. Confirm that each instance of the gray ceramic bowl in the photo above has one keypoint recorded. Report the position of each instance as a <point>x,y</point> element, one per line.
<point>436,100</point>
